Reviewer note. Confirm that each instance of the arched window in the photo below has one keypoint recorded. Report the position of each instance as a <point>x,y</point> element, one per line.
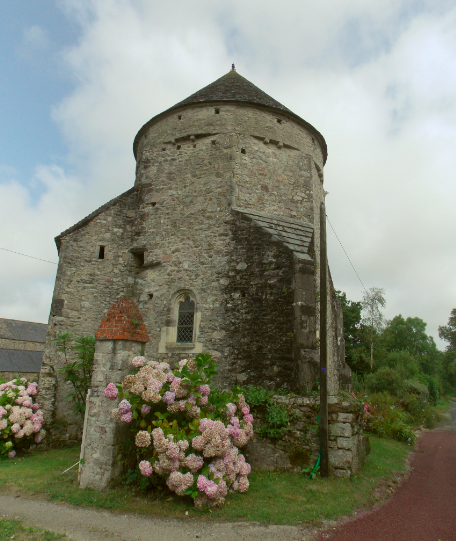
<point>185,320</point>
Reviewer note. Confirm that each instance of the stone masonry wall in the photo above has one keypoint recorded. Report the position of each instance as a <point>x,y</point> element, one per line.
<point>299,446</point>
<point>178,219</point>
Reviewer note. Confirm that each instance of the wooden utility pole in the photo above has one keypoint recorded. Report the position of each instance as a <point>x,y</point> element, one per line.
<point>324,461</point>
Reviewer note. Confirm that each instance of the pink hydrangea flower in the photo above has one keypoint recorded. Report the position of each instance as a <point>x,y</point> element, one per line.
<point>169,397</point>
<point>126,417</point>
<point>245,410</point>
<point>205,390</point>
<point>145,409</point>
<point>124,406</point>
<point>35,406</point>
<point>231,409</point>
<point>145,468</point>
<point>110,392</point>
<point>11,454</point>
<point>248,418</point>
<point>203,401</point>
<point>138,362</point>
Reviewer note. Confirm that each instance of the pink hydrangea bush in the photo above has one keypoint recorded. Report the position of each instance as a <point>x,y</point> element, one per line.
<point>21,419</point>
<point>184,432</point>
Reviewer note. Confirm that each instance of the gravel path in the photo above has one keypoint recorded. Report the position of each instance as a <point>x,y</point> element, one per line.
<point>88,525</point>
<point>424,507</point>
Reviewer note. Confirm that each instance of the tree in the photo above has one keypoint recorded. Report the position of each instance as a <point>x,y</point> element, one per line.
<point>356,335</point>
<point>373,300</point>
<point>448,333</point>
<point>410,335</point>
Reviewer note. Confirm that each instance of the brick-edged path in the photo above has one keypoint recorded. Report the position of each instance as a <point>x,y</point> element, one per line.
<point>423,508</point>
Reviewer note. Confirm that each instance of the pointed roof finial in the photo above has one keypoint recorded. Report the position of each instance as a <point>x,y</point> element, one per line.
<point>232,67</point>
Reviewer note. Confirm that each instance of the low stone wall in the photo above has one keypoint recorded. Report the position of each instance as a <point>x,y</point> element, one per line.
<point>300,443</point>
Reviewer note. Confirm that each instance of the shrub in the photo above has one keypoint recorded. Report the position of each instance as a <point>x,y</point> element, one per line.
<point>184,432</point>
<point>384,380</point>
<point>77,373</point>
<point>20,417</point>
<point>275,418</point>
<point>389,420</point>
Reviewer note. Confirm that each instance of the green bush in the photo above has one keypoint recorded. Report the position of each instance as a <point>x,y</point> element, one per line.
<point>415,387</point>
<point>388,420</point>
<point>384,380</point>
<point>77,373</point>
<point>275,418</point>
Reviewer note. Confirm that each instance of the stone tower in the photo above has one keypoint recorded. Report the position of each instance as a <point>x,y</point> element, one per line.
<point>216,243</point>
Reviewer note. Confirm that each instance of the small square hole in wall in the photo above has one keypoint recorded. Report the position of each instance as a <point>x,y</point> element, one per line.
<point>279,121</point>
<point>217,111</point>
<point>178,147</point>
<point>138,258</point>
<point>163,148</point>
<point>179,117</point>
<point>101,252</point>
<point>154,203</point>
<point>194,146</point>
<point>242,150</point>
<point>150,295</point>
<point>242,294</point>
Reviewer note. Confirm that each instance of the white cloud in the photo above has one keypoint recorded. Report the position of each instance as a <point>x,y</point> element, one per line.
<point>377,79</point>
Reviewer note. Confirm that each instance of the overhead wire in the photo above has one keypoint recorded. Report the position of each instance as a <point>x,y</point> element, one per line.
<point>31,256</point>
<point>353,267</point>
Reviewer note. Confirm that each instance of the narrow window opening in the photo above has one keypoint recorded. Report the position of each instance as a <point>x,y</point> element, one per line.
<point>217,111</point>
<point>138,258</point>
<point>178,147</point>
<point>179,117</point>
<point>242,150</point>
<point>150,295</point>
<point>243,294</point>
<point>185,320</point>
<point>101,252</point>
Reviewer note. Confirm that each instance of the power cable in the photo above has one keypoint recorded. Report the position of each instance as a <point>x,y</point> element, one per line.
<point>31,256</point>
<point>346,254</point>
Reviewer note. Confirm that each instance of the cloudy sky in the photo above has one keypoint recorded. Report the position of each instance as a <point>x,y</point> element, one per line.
<point>377,79</point>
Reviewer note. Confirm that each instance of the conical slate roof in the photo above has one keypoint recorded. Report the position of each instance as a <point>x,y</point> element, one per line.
<point>234,88</point>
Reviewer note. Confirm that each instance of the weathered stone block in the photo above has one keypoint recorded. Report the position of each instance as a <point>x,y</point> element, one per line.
<point>341,429</point>
<point>340,458</point>
<point>345,443</point>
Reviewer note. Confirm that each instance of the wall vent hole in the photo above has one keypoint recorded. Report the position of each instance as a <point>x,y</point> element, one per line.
<point>150,295</point>
<point>101,252</point>
<point>242,150</point>
<point>217,111</point>
<point>138,258</point>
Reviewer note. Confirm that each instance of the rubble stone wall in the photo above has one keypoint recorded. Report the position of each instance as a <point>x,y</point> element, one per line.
<point>299,447</point>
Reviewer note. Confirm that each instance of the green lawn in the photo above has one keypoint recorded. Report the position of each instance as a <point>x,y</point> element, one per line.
<point>273,498</point>
<point>13,529</point>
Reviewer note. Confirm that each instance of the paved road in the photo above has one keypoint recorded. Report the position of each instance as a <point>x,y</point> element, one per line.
<point>424,507</point>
